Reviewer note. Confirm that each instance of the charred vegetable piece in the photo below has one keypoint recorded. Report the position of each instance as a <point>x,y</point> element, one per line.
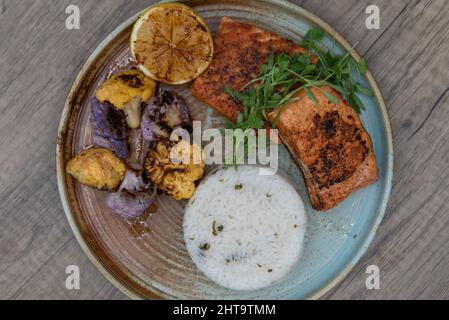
<point>175,177</point>
<point>165,112</point>
<point>120,88</point>
<point>110,129</point>
<point>119,147</point>
<point>97,168</point>
<point>108,121</point>
<point>138,148</point>
<point>133,112</point>
<point>133,198</point>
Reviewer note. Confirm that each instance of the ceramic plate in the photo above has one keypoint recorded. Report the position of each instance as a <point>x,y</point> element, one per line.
<point>147,258</point>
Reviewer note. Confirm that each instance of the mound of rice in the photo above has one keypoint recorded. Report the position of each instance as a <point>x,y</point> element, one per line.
<point>244,230</point>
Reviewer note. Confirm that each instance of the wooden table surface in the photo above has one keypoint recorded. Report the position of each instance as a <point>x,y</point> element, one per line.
<point>40,58</point>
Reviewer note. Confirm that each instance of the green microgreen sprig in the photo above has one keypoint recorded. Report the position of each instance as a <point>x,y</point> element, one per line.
<point>283,76</point>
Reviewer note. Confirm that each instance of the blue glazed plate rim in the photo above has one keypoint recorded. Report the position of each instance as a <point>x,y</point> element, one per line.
<point>331,32</point>
<point>295,10</point>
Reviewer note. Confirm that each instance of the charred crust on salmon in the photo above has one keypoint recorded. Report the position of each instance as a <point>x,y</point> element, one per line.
<point>240,49</point>
<point>330,145</point>
<point>327,141</point>
<point>339,156</point>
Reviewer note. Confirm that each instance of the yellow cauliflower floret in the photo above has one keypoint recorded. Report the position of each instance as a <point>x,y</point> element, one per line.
<point>172,169</point>
<point>124,86</point>
<point>97,168</point>
<point>178,185</point>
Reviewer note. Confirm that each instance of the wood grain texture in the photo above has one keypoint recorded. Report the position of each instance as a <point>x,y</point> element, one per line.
<point>39,60</point>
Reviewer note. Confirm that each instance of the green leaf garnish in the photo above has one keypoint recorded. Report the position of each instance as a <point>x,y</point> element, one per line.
<point>283,76</point>
<point>331,97</point>
<point>315,34</point>
<point>362,65</point>
<point>311,95</point>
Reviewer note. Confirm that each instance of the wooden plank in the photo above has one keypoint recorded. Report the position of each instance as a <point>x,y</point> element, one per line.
<point>39,59</point>
<point>348,18</point>
<point>411,63</point>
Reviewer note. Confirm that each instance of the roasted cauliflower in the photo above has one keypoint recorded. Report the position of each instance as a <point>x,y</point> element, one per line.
<point>164,113</point>
<point>122,87</point>
<point>169,168</point>
<point>97,168</point>
<point>133,197</point>
<point>109,128</point>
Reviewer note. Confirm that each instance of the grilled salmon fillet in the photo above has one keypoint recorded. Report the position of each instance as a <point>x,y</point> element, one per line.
<point>328,141</point>
<point>330,145</point>
<point>240,49</point>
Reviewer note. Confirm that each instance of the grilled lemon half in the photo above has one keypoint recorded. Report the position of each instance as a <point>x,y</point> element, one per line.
<point>172,43</point>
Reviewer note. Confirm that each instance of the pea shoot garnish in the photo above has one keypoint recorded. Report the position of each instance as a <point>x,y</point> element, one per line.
<point>283,76</point>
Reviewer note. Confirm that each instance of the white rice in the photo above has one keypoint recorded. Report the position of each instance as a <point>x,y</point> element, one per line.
<point>263,225</point>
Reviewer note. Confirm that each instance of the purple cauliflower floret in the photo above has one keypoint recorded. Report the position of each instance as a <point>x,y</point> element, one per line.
<point>110,128</point>
<point>133,197</point>
<point>164,112</point>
